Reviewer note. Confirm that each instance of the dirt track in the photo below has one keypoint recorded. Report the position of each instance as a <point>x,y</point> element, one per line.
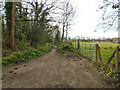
<point>53,70</point>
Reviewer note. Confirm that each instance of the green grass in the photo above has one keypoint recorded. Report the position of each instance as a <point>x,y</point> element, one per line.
<point>105,50</point>
<point>106,53</point>
<point>24,56</point>
<point>64,48</point>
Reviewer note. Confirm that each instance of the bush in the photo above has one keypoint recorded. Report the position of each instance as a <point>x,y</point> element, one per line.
<point>23,46</point>
<point>67,47</point>
<point>6,52</point>
<point>26,55</point>
<point>64,47</point>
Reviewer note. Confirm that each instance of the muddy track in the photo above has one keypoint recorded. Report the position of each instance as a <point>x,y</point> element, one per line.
<point>54,70</point>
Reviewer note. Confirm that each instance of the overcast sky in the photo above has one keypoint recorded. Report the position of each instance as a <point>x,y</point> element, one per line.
<point>87,18</point>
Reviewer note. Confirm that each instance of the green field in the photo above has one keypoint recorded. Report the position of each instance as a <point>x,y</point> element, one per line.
<point>105,50</point>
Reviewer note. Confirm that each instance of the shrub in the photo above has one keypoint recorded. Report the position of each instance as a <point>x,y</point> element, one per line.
<point>23,46</point>
<point>6,52</point>
<point>64,47</point>
<point>25,56</point>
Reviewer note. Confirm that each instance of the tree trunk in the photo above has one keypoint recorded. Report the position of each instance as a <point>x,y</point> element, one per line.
<point>8,7</point>
<point>13,26</point>
<point>63,32</point>
<point>66,34</point>
<point>36,11</point>
<point>3,25</point>
<point>9,33</point>
<point>20,8</point>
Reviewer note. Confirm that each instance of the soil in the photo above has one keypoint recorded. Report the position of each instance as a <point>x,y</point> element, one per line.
<point>54,70</point>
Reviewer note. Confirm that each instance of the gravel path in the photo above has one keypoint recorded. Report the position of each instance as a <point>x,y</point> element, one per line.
<point>53,70</point>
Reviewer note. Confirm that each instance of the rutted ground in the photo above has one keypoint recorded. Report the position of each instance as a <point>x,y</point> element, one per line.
<point>53,70</point>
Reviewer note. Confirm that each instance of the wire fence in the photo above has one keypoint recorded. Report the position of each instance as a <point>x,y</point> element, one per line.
<point>105,55</point>
<point>87,50</point>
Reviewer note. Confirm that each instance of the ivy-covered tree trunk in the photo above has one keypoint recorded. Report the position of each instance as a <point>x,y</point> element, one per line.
<point>57,37</point>
<point>36,11</point>
<point>13,26</point>
<point>8,8</point>
<point>3,25</point>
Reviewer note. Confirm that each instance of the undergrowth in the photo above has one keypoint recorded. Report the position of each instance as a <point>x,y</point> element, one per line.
<point>67,47</point>
<point>24,56</point>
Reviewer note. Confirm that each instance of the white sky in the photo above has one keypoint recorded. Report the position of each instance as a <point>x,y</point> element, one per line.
<point>87,18</point>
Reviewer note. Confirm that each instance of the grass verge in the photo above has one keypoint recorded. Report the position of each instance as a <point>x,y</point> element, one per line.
<point>24,56</point>
<point>109,75</point>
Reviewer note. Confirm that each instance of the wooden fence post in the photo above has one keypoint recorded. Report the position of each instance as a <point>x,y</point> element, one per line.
<point>75,43</point>
<point>85,49</point>
<point>90,50</point>
<point>78,45</point>
<point>111,57</point>
<point>96,49</point>
<point>99,54</point>
<point>117,54</point>
<point>82,49</point>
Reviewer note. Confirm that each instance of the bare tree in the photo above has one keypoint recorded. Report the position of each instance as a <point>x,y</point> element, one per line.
<point>40,14</point>
<point>108,18</point>
<point>46,11</point>
<point>41,9</point>
<point>68,12</point>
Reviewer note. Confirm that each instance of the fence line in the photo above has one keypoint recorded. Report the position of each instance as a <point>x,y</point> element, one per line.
<point>92,51</point>
<point>83,49</point>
